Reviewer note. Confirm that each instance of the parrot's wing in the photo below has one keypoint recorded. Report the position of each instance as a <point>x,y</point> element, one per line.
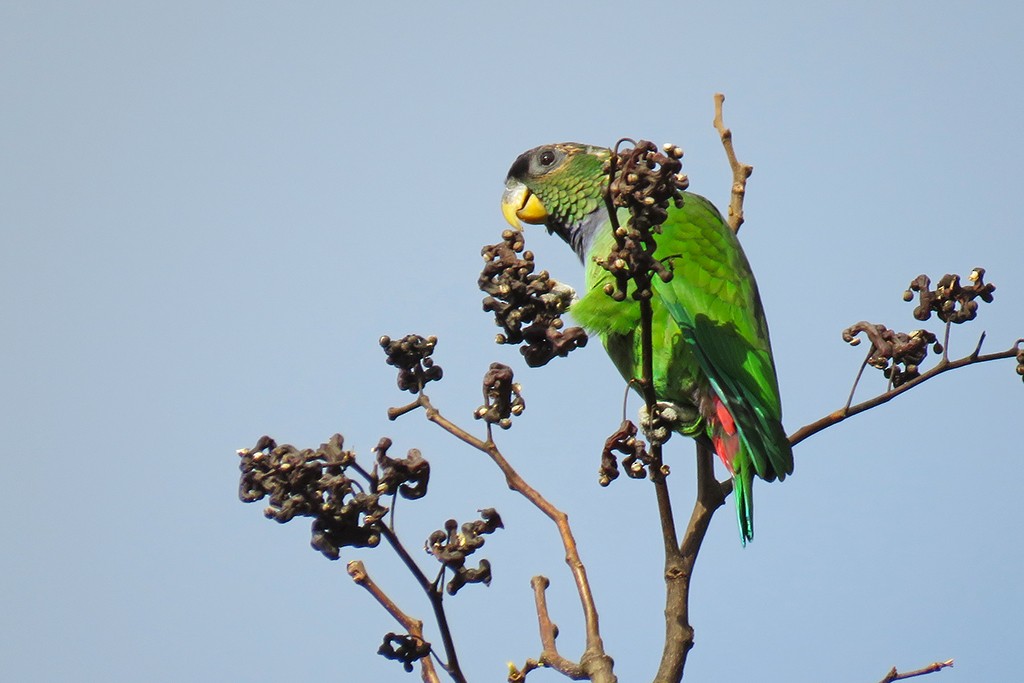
<point>713,298</point>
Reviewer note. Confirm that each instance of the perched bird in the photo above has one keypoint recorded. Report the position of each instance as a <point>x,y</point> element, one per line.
<point>714,376</point>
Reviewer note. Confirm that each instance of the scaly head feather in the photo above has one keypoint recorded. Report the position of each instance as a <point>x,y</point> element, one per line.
<point>560,186</point>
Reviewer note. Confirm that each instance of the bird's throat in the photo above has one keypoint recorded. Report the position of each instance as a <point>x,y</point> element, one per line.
<point>580,235</point>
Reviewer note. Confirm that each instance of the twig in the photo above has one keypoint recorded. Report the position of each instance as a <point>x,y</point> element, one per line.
<point>516,675</point>
<point>856,381</point>
<point>894,675</point>
<point>596,664</point>
<point>740,172</point>
<point>943,366</point>
<point>548,632</point>
<point>357,570</point>
<point>977,349</point>
<point>395,413</point>
<point>594,660</point>
<point>679,558</point>
<point>435,594</point>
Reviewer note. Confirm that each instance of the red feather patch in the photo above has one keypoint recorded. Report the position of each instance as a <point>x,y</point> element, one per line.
<point>723,434</point>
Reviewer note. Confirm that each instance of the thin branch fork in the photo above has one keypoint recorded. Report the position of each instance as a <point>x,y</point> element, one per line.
<point>436,597</point>
<point>357,570</point>
<point>942,366</point>
<point>548,633</point>
<point>594,663</point>
<point>680,562</point>
<point>433,592</point>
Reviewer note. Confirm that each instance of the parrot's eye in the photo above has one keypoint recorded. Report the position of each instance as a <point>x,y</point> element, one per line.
<point>547,157</point>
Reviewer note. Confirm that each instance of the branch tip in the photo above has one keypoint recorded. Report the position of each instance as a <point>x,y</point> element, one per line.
<point>740,171</point>
<point>895,675</point>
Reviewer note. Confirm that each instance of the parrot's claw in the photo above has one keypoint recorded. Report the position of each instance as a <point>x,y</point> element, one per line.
<point>561,294</point>
<point>667,419</point>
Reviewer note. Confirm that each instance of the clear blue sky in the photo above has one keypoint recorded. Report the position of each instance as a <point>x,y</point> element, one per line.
<point>210,211</point>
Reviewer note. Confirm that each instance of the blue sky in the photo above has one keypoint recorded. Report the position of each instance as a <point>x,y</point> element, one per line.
<point>209,212</point>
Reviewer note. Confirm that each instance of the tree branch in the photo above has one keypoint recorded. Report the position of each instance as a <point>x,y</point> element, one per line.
<point>680,563</point>
<point>595,662</point>
<point>677,628</point>
<point>357,570</point>
<point>436,596</point>
<point>548,632</point>
<point>680,559</point>
<point>894,675</point>
<point>740,172</point>
<point>942,366</point>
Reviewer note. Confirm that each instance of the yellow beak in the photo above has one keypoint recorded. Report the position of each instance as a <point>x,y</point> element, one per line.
<point>519,204</point>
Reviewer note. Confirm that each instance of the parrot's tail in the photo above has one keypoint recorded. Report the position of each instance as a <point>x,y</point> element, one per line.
<point>729,447</point>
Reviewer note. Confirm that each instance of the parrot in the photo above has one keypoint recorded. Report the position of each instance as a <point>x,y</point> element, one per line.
<point>714,374</point>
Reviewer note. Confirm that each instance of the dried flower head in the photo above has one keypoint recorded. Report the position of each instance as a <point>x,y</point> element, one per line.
<point>451,547</point>
<point>411,355</point>
<point>644,181</point>
<point>951,301</point>
<point>503,397</point>
<point>897,354</point>
<point>527,306</point>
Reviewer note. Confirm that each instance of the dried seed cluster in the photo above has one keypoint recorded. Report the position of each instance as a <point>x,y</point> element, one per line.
<point>411,355</point>
<point>404,648</point>
<point>897,354</point>
<point>503,397</point>
<point>644,181</point>
<point>637,458</point>
<point>527,306</point>
<point>313,483</point>
<point>406,476</point>
<point>950,301</point>
<point>451,547</point>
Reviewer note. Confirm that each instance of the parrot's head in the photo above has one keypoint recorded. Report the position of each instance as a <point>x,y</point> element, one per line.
<point>560,186</point>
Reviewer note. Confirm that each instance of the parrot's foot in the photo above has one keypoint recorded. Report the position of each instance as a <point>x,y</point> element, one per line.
<point>562,295</point>
<point>668,417</point>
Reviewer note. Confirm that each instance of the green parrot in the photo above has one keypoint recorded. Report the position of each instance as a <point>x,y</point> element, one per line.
<point>714,376</point>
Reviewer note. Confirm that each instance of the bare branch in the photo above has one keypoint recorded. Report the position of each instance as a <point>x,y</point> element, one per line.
<point>740,172</point>
<point>357,570</point>
<point>436,597</point>
<point>942,366</point>
<point>678,632</point>
<point>395,413</point>
<point>894,675</point>
<point>595,662</point>
<point>548,633</point>
<point>680,563</point>
<point>856,381</point>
